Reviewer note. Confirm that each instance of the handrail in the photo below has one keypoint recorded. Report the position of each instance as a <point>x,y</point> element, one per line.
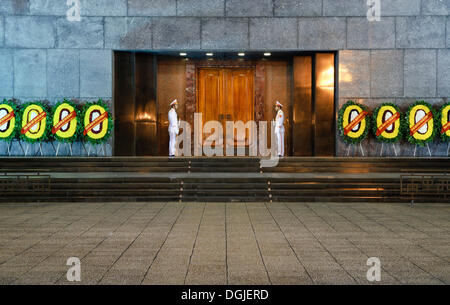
<point>28,184</point>
<point>415,185</point>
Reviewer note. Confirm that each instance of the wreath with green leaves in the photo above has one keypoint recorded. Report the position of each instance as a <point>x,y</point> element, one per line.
<point>105,134</point>
<point>75,131</point>
<point>398,127</point>
<point>418,138</point>
<point>442,120</point>
<point>353,137</point>
<point>10,133</point>
<point>45,133</point>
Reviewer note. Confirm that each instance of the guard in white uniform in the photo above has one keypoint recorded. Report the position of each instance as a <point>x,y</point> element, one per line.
<point>173,127</point>
<point>279,128</point>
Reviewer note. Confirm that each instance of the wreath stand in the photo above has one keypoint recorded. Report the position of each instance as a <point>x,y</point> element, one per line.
<point>393,146</point>
<point>355,149</point>
<point>8,147</point>
<point>88,151</point>
<point>28,147</point>
<point>429,151</point>
<point>20,144</point>
<point>57,148</point>
<point>448,147</point>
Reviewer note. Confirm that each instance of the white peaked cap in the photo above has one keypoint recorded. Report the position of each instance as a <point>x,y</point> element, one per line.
<point>279,104</point>
<point>173,102</point>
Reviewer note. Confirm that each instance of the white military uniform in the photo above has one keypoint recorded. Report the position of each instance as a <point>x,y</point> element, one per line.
<point>279,132</point>
<point>173,130</point>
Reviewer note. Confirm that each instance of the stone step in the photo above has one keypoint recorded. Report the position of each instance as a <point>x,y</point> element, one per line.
<point>126,179</point>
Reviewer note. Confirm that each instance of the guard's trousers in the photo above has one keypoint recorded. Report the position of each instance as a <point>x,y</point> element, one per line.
<point>279,133</point>
<point>172,142</point>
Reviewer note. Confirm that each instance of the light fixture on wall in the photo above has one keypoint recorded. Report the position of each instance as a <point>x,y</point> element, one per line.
<point>209,54</point>
<point>267,54</point>
<point>183,54</point>
<point>241,54</point>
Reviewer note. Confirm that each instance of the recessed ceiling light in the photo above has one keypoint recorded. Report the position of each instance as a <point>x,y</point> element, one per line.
<point>241,54</point>
<point>183,54</point>
<point>267,54</point>
<point>209,54</point>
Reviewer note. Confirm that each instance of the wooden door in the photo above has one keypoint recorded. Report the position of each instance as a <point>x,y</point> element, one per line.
<point>239,99</point>
<point>210,95</point>
<point>226,94</point>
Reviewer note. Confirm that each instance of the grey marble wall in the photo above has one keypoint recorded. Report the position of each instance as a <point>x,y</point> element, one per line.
<point>401,58</point>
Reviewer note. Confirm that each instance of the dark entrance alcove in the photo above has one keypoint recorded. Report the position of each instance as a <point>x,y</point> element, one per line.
<point>146,82</point>
<point>135,104</point>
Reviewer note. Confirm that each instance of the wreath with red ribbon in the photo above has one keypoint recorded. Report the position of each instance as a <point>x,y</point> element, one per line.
<point>388,129</point>
<point>9,120</point>
<point>74,117</point>
<point>413,126</point>
<point>26,126</point>
<point>353,122</point>
<point>88,125</point>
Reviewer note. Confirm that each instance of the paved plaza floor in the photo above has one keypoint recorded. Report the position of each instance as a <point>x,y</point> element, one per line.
<point>224,243</point>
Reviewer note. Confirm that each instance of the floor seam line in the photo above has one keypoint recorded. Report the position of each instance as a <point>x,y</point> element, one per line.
<point>257,243</point>
<point>140,233</point>
<point>195,241</point>
<point>162,245</point>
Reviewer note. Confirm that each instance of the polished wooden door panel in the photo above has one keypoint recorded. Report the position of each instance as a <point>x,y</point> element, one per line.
<point>210,95</point>
<point>239,93</point>
<point>302,107</point>
<point>226,94</point>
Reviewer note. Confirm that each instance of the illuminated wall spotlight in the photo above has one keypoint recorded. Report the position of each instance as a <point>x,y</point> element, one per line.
<point>241,54</point>
<point>209,54</point>
<point>267,54</point>
<point>183,54</point>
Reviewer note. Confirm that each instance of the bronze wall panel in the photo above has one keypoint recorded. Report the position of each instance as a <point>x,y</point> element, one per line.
<point>145,105</point>
<point>324,105</point>
<point>146,138</point>
<point>124,127</point>
<point>302,111</point>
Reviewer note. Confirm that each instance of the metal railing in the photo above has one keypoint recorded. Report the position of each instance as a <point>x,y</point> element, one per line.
<point>423,185</point>
<point>33,184</point>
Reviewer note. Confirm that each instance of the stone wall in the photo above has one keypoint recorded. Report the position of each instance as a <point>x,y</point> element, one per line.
<point>401,58</point>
